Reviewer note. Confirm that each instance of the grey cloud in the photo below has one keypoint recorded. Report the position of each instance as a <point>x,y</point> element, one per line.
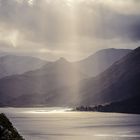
<point>57,24</point>
<point>108,24</point>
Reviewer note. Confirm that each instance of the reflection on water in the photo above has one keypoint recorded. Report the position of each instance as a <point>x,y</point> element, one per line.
<point>61,124</point>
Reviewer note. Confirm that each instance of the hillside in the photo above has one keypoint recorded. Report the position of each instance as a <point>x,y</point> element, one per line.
<point>101,60</point>
<point>120,81</point>
<point>35,87</point>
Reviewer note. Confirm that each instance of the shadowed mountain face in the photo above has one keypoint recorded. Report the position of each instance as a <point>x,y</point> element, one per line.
<point>101,60</point>
<point>12,65</point>
<point>120,81</point>
<point>35,87</point>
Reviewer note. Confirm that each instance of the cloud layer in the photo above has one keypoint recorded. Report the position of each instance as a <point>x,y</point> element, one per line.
<point>68,28</point>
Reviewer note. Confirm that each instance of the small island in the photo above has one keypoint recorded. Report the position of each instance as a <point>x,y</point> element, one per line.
<point>7,131</point>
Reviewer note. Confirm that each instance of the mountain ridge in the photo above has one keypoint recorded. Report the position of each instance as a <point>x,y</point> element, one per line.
<point>98,62</point>
<point>121,71</point>
<point>12,64</point>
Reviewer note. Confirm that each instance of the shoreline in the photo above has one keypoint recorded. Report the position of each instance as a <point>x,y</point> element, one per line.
<point>7,130</point>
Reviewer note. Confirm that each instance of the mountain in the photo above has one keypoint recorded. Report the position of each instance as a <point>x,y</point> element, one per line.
<point>120,81</point>
<point>35,87</point>
<point>101,60</point>
<point>12,65</point>
<point>61,83</point>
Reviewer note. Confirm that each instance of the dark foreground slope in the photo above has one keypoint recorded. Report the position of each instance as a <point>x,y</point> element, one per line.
<point>7,131</point>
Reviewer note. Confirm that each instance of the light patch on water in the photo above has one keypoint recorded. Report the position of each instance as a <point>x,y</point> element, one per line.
<point>44,111</point>
<point>111,135</point>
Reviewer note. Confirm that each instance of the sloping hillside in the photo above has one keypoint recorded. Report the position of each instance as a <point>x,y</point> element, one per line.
<point>120,81</point>
<point>101,60</point>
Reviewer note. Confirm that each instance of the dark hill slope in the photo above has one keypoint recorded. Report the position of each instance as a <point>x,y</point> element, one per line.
<point>120,81</point>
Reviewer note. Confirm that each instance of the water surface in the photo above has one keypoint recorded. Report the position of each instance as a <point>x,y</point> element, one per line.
<point>60,124</point>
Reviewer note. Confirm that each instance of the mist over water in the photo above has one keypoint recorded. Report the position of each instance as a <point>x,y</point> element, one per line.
<point>63,124</point>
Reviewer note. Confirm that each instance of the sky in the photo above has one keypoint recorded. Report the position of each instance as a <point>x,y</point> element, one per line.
<point>73,29</point>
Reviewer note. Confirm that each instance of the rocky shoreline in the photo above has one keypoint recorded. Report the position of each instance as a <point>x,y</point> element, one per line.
<point>7,131</point>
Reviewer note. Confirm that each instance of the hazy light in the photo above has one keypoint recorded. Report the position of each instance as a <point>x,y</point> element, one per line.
<point>20,1</point>
<point>13,38</point>
<point>44,50</point>
<point>10,37</point>
<point>117,135</point>
<point>44,111</point>
<point>31,2</point>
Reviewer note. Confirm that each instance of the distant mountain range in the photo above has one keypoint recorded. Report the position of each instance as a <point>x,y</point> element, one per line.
<point>63,83</point>
<point>91,66</point>
<point>12,65</point>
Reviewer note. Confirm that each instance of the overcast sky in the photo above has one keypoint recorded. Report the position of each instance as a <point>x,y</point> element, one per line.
<point>72,29</point>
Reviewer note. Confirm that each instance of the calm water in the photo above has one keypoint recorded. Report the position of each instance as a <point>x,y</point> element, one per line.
<point>56,124</point>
